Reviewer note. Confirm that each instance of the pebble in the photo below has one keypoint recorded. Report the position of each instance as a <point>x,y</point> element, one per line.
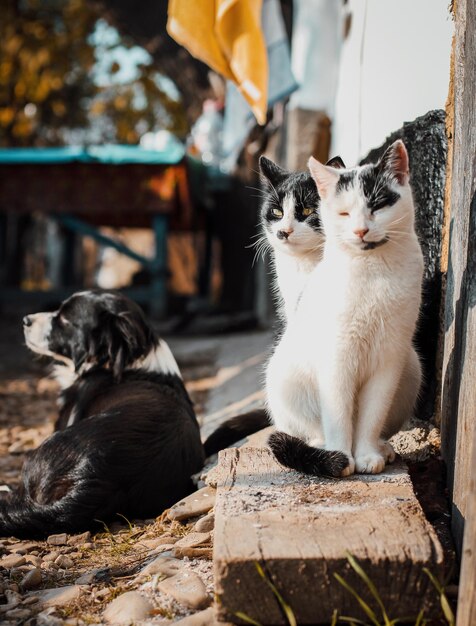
<point>77,540</point>
<point>32,579</point>
<point>30,600</point>
<point>88,578</point>
<point>88,545</point>
<point>58,540</point>
<point>23,548</point>
<point>202,618</point>
<point>12,560</point>
<point>13,597</point>
<point>59,596</point>
<point>128,608</point>
<point>151,544</point>
<point>18,614</point>
<point>52,556</point>
<point>205,524</point>
<point>34,560</point>
<point>192,553</point>
<point>195,504</point>
<point>64,562</point>
<point>193,540</point>
<point>187,588</point>
<point>161,565</point>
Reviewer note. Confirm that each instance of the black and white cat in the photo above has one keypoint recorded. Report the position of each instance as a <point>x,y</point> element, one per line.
<point>292,228</point>
<point>345,375</point>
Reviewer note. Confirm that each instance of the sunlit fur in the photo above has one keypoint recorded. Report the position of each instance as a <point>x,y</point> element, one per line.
<point>293,257</point>
<point>345,374</point>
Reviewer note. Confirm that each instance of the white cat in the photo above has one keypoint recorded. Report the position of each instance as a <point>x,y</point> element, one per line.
<point>345,375</point>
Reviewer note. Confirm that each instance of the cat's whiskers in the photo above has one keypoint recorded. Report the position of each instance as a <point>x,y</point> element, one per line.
<point>261,246</point>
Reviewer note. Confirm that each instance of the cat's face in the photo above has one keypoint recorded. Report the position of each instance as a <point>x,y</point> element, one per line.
<point>289,213</point>
<point>365,208</point>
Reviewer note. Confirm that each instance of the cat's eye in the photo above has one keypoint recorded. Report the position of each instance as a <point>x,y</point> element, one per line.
<point>344,214</point>
<point>307,211</point>
<point>277,212</point>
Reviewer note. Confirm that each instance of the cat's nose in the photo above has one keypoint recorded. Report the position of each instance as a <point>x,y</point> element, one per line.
<point>361,232</point>
<point>284,233</point>
<point>27,321</point>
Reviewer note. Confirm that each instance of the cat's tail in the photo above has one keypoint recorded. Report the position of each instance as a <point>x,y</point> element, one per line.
<point>297,455</point>
<point>234,429</point>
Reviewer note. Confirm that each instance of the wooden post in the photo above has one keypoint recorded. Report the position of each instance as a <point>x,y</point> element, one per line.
<point>466,615</point>
<point>459,361</point>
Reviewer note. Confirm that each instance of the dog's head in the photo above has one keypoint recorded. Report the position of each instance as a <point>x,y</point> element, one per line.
<point>93,328</point>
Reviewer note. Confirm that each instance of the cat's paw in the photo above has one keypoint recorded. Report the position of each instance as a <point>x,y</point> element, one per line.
<point>350,469</point>
<point>370,463</point>
<point>387,451</point>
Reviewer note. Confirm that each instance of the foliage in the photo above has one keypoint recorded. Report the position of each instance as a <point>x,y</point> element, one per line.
<point>49,92</point>
<point>372,615</point>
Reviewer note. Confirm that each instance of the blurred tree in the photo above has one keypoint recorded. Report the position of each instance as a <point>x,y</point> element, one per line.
<point>50,93</point>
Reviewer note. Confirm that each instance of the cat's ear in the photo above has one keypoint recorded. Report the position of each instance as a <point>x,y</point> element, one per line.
<point>395,162</point>
<point>272,172</point>
<point>324,176</point>
<point>336,162</point>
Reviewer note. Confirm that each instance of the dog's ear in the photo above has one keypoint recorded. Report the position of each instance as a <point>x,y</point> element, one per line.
<point>119,339</point>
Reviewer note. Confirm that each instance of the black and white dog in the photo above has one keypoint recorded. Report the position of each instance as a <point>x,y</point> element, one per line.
<point>127,440</point>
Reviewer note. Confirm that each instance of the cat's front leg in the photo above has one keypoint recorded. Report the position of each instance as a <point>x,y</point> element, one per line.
<point>336,399</point>
<point>371,452</point>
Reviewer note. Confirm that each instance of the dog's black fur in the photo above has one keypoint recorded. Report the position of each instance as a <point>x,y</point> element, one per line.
<point>127,439</point>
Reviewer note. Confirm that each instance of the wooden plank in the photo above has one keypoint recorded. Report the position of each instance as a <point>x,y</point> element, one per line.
<point>466,615</point>
<point>459,363</point>
<point>300,528</point>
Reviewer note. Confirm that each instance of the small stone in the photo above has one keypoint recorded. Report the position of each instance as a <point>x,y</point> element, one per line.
<point>59,596</point>
<point>193,540</point>
<point>88,578</point>
<point>128,608</point>
<point>77,540</point>
<point>165,547</point>
<point>192,553</point>
<point>32,579</point>
<point>34,560</point>
<point>13,597</point>
<point>23,548</point>
<point>52,556</point>
<point>195,504</point>
<point>165,566</point>
<point>58,540</point>
<point>30,600</point>
<point>64,562</point>
<point>88,546</point>
<point>187,588</point>
<point>12,560</point>
<point>151,544</point>
<point>18,614</point>
<point>203,618</point>
<point>205,524</point>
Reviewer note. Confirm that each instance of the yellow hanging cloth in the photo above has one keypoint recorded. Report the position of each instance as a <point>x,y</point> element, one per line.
<point>227,36</point>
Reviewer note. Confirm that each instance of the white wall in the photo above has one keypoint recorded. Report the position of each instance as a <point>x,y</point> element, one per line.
<point>394,67</point>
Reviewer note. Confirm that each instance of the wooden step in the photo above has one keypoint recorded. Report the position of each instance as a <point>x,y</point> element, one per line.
<point>300,530</point>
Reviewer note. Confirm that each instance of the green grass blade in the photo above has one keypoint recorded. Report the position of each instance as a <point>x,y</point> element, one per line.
<point>247,619</point>
<point>284,605</point>
<point>334,618</point>
<point>420,620</point>
<point>445,605</point>
<point>372,588</point>
<point>363,605</point>
<point>126,520</point>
